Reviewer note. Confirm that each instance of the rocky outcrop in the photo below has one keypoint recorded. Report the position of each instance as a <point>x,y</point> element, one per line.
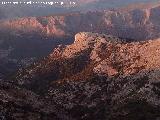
<point>110,51</point>
<point>109,56</point>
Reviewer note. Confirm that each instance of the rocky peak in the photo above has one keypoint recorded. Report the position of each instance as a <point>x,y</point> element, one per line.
<point>113,55</point>
<point>104,55</point>
<point>89,41</point>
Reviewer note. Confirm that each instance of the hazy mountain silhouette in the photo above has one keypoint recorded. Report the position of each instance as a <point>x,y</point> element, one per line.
<point>12,11</point>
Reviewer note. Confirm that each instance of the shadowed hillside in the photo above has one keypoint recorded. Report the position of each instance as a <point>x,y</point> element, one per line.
<point>99,77</point>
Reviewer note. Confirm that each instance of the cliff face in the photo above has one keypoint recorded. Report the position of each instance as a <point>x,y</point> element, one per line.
<point>99,77</point>
<point>138,24</point>
<point>109,56</point>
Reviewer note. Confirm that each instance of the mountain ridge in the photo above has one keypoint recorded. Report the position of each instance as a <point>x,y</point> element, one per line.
<point>110,21</point>
<point>102,78</point>
<point>88,52</point>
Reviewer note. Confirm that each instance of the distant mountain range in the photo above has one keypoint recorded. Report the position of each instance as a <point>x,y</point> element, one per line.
<point>12,11</point>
